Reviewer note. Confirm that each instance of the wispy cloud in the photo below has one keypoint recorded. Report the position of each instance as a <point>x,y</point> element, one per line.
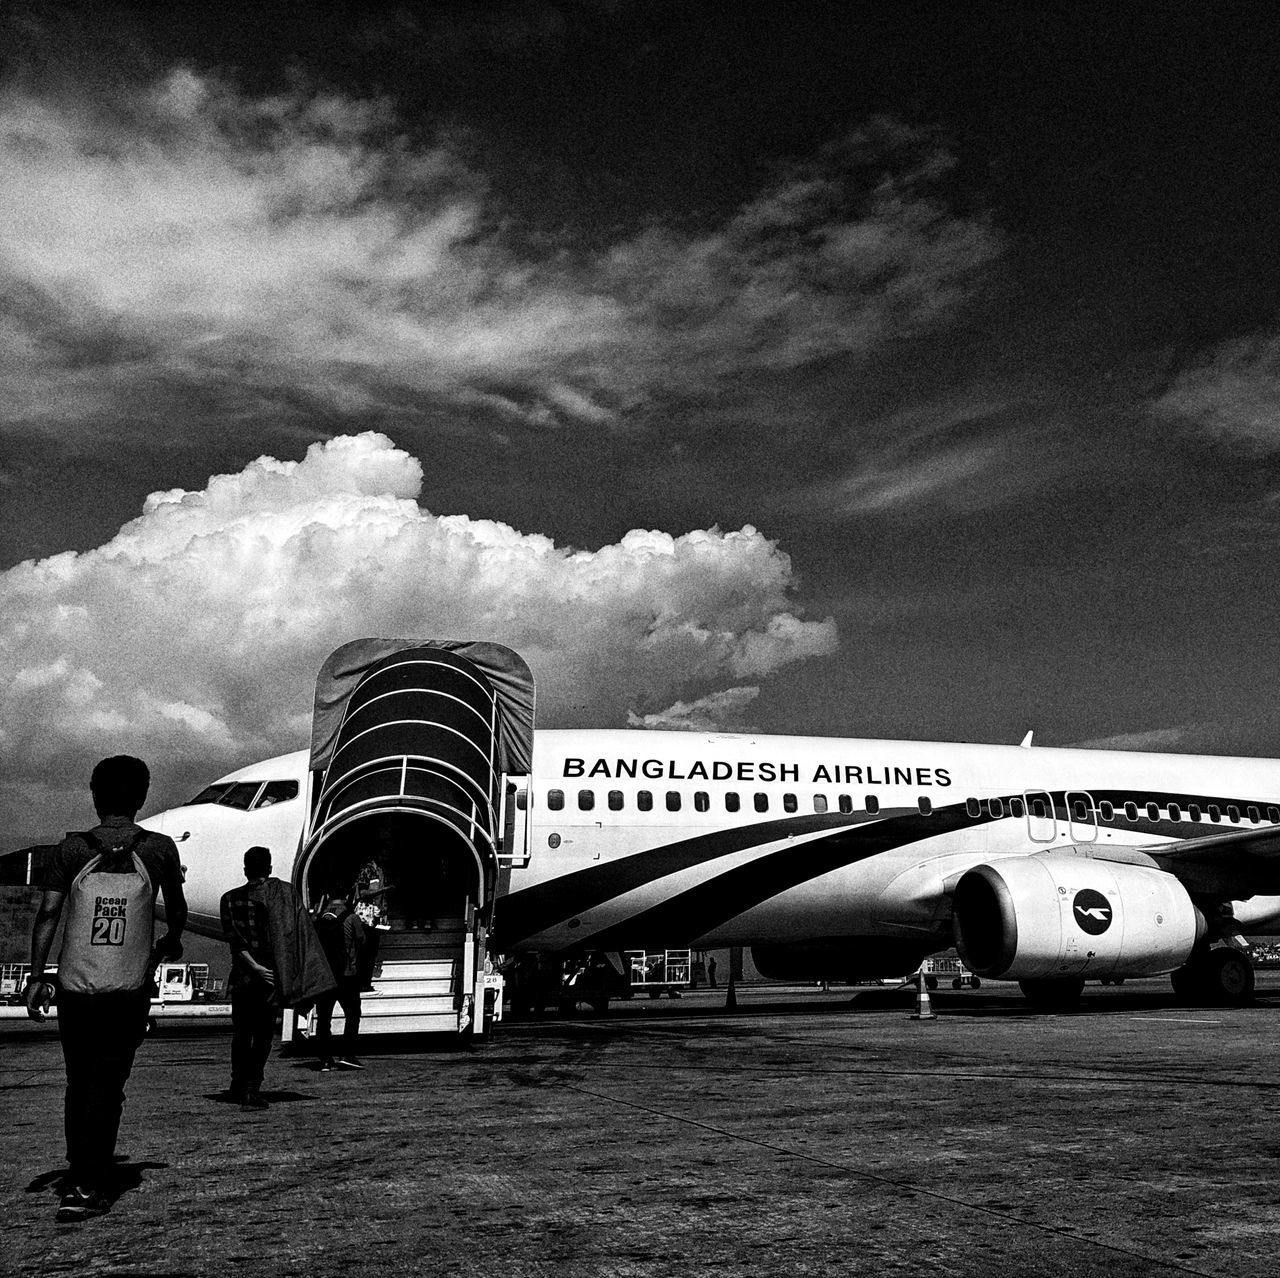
<point>716,712</point>
<point>1233,395</point>
<point>193,637</point>
<point>1185,737</point>
<point>950,456</point>
<point>192,244</point>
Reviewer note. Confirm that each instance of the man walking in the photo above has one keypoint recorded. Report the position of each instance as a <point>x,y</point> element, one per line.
<point>107,879</point>
<point>343,935</point>
<point>276,962</point>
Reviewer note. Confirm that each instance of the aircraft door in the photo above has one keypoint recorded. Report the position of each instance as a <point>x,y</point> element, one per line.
<point>514,822</point>
<point>1042,824</point>
<point>1082,820</point>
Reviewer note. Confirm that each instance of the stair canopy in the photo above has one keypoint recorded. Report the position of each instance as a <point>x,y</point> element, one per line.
<point>411,740</point>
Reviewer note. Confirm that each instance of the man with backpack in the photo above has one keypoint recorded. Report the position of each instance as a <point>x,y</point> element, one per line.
<point>103,885</point>
<point>344,938</point>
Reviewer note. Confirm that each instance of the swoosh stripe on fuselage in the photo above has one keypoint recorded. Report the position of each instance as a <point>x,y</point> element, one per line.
<point>711,903</point>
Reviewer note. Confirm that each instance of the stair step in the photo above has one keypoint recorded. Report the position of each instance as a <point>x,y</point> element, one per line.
<point>413,969</point>
<point>409,986</point>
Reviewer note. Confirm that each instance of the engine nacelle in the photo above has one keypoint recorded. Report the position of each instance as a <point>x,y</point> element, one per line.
<point>1062,915</point>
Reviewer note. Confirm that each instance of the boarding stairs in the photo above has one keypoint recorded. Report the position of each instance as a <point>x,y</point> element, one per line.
<point>419,983</point>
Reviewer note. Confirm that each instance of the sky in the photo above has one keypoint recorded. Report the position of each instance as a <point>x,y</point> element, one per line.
<point>890,370</point>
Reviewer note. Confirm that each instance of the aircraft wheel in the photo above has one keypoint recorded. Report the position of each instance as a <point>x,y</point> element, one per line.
<point>975,983</point>
<point>956,982</point>
<point>151,1024</point>
<point>1053,996</point>
<point>1229,978</point>
<point>931,982</point>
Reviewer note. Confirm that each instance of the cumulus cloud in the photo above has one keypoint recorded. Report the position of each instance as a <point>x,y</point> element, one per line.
<point>300,248</point>
<point>716,712</point>
<point>1234,395</point>
<point>193,637</point>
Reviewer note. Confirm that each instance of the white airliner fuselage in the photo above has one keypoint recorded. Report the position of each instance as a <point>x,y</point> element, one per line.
<point>841,852</point>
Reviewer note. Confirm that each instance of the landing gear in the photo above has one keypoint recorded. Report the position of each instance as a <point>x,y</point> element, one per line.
<point>1215,978</point>
<point>1053,995</point>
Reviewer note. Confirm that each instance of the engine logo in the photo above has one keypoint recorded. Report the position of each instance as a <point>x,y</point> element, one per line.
<point>1092,911</point>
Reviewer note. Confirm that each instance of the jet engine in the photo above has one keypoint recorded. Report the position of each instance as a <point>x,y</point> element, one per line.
<point>1063,915</point>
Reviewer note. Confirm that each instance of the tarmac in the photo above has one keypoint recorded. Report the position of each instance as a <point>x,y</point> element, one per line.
<point>802,1132</point>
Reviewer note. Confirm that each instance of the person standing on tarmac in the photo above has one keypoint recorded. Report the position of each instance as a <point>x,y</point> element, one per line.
<point>344,938</point>
<point>276,962</point>
<point>107,879</point>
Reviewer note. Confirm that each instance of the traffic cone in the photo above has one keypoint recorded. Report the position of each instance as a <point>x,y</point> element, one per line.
<point>924,1008</point>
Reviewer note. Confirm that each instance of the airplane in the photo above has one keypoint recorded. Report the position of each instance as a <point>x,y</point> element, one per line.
<point>830,858</point>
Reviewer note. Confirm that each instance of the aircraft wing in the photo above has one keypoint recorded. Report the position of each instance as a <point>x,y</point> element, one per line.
<point>1235,864</point>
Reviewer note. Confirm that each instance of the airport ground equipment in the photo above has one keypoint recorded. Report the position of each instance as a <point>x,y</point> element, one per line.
<point>657,972</point>
<point>420,758</point>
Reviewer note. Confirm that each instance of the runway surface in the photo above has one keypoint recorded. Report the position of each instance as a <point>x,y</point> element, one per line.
<point>802,1132</point>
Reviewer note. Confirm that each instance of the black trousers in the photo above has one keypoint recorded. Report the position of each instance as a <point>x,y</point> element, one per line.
<point>348,994</point>
<point>100,1034</point>
<point>253,1026</point>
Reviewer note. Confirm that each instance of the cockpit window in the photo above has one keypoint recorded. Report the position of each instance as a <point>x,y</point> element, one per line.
<point>277,792</point>
<point>210,794</point>
<point>234,794</point>
<point>241,795</point>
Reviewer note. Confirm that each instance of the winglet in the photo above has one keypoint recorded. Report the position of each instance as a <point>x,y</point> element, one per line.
<point>1026,741</point>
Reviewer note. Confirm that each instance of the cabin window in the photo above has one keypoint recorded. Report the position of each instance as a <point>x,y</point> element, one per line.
<point>1254,815</point>
<point>925,804</point>
<point>732,801</point>
<point>277,792</point>
<point>1193,811</point>
<point>1131,811</point>
<point>846,803</point>
<point>873,804</point>
<point>522,800</point>
<point>644,800</point>
<point>790,803</point>
<point>761,801</point>
<point>1039,809</point>
<point>819,802</point>
<point>1273,815</point>
<point>673,800</point>
<point>1153,811</point>
<point>586,800</point>
<point>1175,812</point>
<point>1215,812</point>
<point>701,801</point>
<point>973,807</point>
<point>1107,810</point>
<point>615,801</point>
<point>996,808</point>
<point>1017,808</point>
<point>1233,812</point>
<point>555,800</point>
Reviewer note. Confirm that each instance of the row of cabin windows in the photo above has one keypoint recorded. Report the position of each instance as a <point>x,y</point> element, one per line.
<point>996,808</point>
<point>674,801</point>
<point>1080,810</point>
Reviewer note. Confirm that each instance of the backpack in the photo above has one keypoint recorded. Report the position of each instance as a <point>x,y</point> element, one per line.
<point>108,922</point>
